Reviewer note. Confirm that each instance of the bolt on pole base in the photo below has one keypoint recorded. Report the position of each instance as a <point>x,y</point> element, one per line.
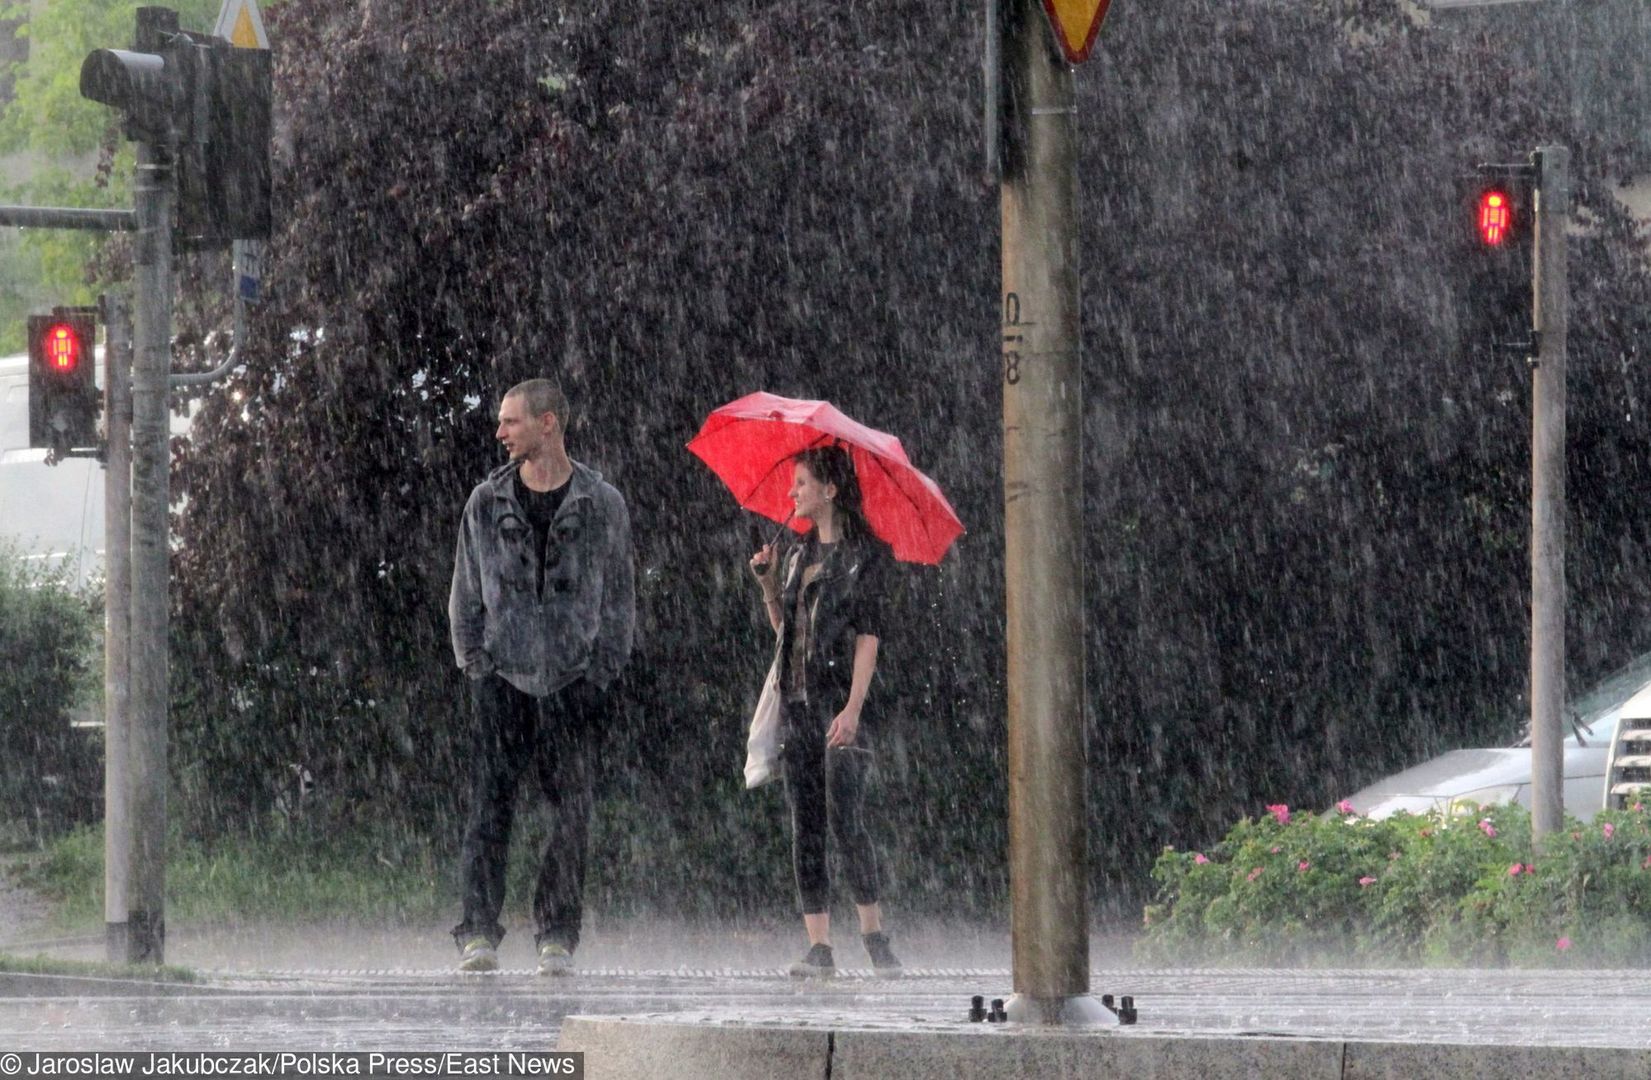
<point>1078,1010</point>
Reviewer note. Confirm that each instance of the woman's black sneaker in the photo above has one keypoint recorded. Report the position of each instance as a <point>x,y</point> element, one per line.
<point>816,965</point>
<point>883,960</point>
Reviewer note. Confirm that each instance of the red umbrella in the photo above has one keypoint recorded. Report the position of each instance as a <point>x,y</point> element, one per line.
<point>749,443</point>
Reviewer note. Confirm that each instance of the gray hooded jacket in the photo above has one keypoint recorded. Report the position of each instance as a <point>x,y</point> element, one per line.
<point>581,624</point>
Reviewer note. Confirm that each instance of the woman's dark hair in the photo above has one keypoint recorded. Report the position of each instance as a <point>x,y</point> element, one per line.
<point>832,465</point>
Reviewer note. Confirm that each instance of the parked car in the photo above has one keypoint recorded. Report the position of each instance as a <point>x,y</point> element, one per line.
<point>1501,775</point>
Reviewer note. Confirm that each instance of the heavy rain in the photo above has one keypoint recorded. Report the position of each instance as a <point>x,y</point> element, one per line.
<point>1304,498</point>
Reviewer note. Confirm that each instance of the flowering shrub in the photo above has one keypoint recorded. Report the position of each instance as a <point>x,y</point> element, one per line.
<point>1441,889</point>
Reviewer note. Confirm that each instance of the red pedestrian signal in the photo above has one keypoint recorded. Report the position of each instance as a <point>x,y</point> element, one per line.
<point>62,348</point>
<point>63,401</point>
<point>1495,217</point>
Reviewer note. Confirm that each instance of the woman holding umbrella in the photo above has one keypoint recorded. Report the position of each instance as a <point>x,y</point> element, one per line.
<point>826,607</point>
<point>864,504</point>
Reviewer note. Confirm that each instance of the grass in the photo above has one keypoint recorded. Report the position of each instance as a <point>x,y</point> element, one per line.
<point>45,965</point>
<point>280,878</point>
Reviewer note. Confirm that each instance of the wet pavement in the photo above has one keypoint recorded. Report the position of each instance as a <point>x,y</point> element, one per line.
<point>342,988</point>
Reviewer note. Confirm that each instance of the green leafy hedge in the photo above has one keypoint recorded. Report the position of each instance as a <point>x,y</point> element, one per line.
<point>1439,889</point>
<point>52,777</point>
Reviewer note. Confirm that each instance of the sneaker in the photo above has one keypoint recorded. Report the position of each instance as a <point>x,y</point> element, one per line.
<point>883,960</point>
<point>554,960</point>
<point>479,955</point>
<point>816,965</point>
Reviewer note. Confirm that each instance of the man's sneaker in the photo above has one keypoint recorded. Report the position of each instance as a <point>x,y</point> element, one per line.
<point>479,955</point>
<point>816,965</point>
<point>554,960</point>
<point>883,960</point>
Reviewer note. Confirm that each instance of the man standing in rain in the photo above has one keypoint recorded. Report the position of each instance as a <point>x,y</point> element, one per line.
<point>542,611</point>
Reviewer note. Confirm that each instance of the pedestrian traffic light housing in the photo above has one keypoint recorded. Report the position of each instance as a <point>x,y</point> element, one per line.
<point>206,105</point>
<point>1496,223</point>
<point>63,401</point>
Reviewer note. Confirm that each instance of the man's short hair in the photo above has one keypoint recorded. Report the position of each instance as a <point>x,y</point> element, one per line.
<point>541,396</point>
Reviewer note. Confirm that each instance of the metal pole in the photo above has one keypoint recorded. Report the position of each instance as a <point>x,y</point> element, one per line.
<point>1551,321</point>
<point>1043,530</point>
<point>150,460</point>
<point>117,613</point>
<point>62,217</point>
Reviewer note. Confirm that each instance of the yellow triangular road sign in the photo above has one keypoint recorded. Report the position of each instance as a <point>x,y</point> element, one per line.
<point>242,25</point>
<point>1076,23</point>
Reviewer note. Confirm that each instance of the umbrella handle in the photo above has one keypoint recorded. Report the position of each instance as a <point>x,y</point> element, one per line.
<point>756,539</point>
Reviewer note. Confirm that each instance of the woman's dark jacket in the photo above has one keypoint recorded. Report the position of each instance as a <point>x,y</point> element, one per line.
<point>847,599</point>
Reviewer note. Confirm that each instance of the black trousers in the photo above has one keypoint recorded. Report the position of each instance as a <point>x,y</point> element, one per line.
<point>556,737</point>
<point>825,790</point>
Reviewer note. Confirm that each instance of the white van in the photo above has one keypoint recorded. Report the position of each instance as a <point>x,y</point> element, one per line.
<point>52,513</point>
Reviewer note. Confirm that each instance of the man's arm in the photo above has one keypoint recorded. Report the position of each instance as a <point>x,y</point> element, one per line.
<point>465,612</point>
<point>617,627</point>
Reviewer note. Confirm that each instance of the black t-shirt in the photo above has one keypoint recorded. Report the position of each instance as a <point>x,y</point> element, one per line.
<point>540,508</point>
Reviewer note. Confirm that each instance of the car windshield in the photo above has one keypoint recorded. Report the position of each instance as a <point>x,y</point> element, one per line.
<point>1605,698</point>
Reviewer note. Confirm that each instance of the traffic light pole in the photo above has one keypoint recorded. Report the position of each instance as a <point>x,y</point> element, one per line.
<point>1043,529</point>
<point>1551,306</point>
<point>68,217</point>
<point>152,274</point>
<point>117,615</point>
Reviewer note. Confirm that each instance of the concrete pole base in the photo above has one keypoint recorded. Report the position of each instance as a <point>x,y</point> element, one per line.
<point>115,944</point>
<point>1079,1010</point>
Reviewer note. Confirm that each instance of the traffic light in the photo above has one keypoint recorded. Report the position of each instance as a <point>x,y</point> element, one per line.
<point>63,402</point>
<point>135,83</point>
<point>223,141</point>
<point>1497,230</point>
<point>208,104</point>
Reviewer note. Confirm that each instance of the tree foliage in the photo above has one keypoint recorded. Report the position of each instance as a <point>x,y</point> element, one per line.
<point>1305,476</point>
<point>63,150</point>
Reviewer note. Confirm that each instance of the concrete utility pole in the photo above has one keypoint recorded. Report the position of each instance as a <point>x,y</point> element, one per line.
<point>1043,529</point>
<point>117,621</point>
<point>1551,306</point>
<point>146,911</point>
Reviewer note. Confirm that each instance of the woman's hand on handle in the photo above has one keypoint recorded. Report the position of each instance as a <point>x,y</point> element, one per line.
<point>763,566</point>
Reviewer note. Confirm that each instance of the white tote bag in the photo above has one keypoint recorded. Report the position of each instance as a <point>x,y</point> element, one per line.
<point>762,747</point>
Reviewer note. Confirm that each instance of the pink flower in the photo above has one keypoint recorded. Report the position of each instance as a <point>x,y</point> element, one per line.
<point>1280,812</point>
<point>1646,865</point>
<point>1487,828</point>
<point>1254,874</point>
<point>1274,849</point>
<point>1198,858</point>
<point>1366,881</point>
<point>1303,865</point>
<point>1608,829</point>
<point>1345,807</point>
<point>1513,871</point>
<point>1637,807</point>
<point>1562,944</point>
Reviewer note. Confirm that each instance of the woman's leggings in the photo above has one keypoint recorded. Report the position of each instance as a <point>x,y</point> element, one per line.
<point>825,790</point>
